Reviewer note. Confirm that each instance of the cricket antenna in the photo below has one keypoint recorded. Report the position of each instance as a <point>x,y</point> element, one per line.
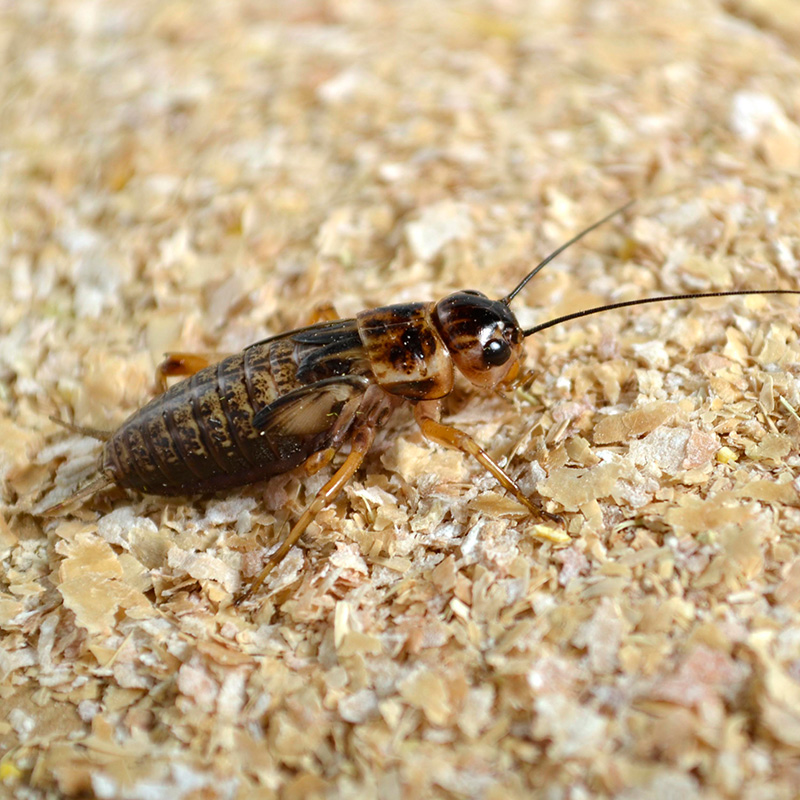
<point>524,282</point>
<point>598,309</point>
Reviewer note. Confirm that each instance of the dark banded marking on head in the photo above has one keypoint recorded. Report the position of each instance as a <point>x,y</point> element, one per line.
<point>485,340</point>
<point>482,335</point>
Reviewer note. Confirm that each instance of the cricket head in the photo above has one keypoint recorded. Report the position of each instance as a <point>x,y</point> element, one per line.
<point>485,340</point>
<point>482,336</point>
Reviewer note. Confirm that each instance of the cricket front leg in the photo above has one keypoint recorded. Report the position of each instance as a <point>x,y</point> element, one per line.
<point>427,415</point>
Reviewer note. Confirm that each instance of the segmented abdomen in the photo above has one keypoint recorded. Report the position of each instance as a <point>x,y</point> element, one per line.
<point>199,435</point>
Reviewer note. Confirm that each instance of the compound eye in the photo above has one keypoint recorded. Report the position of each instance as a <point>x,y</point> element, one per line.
<point>496,352</point>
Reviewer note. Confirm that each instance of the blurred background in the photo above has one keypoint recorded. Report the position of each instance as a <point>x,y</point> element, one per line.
<point>197,176</point>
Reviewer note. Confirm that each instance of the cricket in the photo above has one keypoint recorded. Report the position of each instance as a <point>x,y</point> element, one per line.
<point>295,399</point>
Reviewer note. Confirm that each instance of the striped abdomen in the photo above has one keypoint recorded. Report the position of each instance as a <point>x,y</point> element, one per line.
<point>200,435</point>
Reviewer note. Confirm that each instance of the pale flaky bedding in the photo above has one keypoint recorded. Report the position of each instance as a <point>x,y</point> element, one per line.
<point>181,176</point>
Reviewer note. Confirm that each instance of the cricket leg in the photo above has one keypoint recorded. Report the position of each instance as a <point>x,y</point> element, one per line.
<point>183,364</point>
<point>360,444</point>
<point>427,414</point>
<point>325,312</point>
<point>322,458</point>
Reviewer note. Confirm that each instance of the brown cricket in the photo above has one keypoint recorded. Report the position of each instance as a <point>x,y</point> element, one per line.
<point>295,398</point>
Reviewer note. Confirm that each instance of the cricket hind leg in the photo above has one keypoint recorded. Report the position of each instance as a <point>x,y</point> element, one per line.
<point>322,458</point>
<point>447,435</point>
<point>362,440</point>
<point>374,413</point>
<point>183,364</point>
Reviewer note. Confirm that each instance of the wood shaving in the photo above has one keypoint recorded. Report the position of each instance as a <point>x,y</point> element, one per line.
<point>196,177</point>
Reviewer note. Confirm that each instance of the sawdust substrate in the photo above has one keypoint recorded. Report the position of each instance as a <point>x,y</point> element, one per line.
<point>196,176</point>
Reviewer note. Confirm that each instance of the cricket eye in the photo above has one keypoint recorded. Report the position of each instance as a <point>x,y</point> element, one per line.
<point>496,352</point>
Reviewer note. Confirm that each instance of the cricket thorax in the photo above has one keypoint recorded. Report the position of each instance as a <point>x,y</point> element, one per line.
<point>406,353</point>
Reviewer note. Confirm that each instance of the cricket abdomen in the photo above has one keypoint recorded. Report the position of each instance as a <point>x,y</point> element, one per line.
<point>200,436</point>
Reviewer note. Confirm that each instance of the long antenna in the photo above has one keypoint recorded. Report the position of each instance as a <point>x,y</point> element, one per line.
<point>524,282</point>
<point>589,311</point>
